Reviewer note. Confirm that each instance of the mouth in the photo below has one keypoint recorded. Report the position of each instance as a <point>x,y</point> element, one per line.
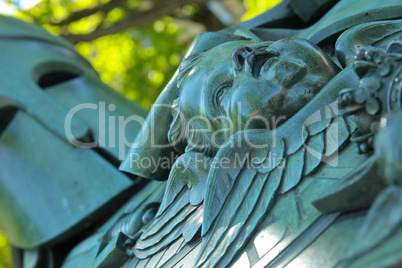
<point>270,64</point>
<point>261,58</point>
<point>288,72</point>
<point>295,73</point>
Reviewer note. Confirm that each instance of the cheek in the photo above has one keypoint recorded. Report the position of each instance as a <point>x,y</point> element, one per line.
<point>242,96</point>
<point>188,107</point>
<point>293,101</point>
<point>253,102</point>
<point>239,109</point>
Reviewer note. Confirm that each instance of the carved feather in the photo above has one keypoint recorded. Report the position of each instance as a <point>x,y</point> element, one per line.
<point>250,190</point>
<point>181,210</point>
<point>228,202</point>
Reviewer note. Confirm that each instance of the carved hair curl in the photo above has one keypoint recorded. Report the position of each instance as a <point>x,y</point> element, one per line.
<point>184,136</point>
<point>187,65</point>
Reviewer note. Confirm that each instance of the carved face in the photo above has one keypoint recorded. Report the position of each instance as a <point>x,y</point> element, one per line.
<point>247,85</point>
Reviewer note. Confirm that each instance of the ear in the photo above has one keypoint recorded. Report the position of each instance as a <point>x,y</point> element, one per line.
<point>152,141</point>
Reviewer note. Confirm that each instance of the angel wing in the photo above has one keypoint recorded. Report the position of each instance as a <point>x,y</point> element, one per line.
<point>181,210</point>
<point>228,203</point>
<point>273,162</point>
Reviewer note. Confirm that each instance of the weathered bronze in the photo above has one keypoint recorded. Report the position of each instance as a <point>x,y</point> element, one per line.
<point>274,145</point>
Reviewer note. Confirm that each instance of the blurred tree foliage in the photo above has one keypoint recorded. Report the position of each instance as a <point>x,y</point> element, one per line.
<point>256,7</point>
<point>135,45</point>
<point>5,261</point>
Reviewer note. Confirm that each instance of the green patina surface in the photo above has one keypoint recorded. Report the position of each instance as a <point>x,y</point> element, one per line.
<point>241,188</point>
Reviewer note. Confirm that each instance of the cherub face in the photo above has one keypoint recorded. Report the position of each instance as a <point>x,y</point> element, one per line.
<point>248,84</point>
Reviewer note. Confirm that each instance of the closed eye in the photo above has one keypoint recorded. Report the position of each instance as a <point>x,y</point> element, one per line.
<point>221,93</point>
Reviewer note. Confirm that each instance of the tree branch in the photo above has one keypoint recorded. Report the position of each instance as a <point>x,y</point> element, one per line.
<point>135,18</point>
<point>89,11</point>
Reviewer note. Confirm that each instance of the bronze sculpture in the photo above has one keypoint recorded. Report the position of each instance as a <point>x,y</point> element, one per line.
<point>250,187</point>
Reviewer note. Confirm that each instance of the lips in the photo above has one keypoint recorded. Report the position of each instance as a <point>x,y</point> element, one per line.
<point>287,71</point>
<point>269,64</point>
<point>259,58</point>
<point>296,72</point>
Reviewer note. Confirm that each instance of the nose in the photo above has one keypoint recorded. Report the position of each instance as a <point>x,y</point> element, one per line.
<point>239,56</point>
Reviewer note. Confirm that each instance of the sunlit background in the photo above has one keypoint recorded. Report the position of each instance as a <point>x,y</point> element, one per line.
<point>135,45</point>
